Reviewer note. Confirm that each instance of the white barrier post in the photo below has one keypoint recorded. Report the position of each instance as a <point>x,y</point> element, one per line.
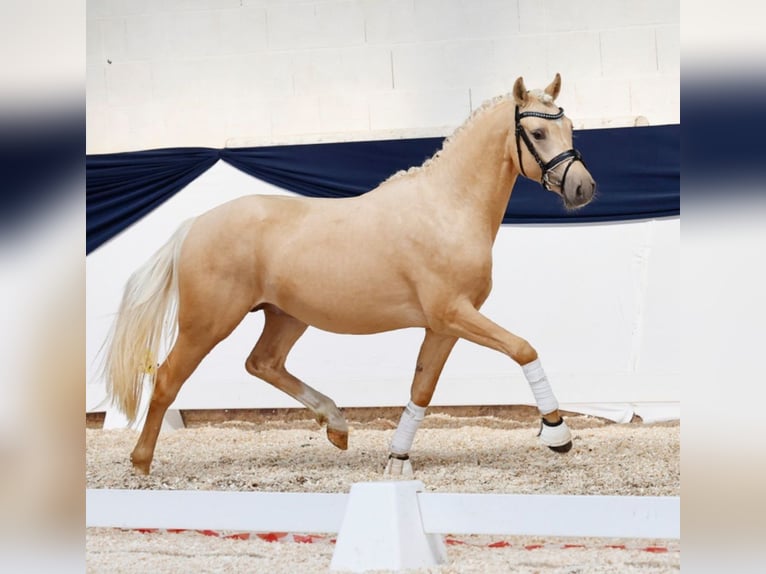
<point>382,529</point>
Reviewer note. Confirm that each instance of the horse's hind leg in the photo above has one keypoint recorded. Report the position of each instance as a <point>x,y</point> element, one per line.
<point>267,361</point>
<point>179,365</point>
<point>433,354</point>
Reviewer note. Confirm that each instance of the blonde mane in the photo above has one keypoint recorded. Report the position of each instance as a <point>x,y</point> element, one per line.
<point>488,104</point>
<point>478,112</point>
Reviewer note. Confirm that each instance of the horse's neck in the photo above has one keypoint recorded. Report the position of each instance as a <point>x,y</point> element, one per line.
<point>475,166</point>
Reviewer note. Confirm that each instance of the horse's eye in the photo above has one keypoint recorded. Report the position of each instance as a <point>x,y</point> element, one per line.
<point>538,134</point>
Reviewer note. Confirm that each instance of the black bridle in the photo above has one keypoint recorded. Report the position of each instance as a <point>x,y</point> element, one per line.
<point>571,154</point>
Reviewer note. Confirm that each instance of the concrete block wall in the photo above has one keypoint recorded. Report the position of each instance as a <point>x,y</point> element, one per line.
<point>164,73</point>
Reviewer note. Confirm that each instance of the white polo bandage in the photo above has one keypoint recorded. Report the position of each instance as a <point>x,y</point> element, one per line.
<point>541,389</point>
<point>408,425</point>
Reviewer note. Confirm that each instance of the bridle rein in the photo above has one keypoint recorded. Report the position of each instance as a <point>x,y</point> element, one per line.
<point>571,154</point>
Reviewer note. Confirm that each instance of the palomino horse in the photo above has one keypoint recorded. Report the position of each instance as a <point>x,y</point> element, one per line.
<point>414,252</point>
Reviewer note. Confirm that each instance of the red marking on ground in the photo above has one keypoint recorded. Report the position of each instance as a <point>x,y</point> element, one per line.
<point>307,538</point>
<point>271,536</point>
<point>448,540</point>
<point>239,536</point>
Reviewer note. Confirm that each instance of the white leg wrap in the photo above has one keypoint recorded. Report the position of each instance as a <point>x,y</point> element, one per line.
<point>408,425</point>
<point>541,389</point>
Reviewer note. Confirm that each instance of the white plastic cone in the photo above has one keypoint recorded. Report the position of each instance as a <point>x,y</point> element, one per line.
<point>382,530</point>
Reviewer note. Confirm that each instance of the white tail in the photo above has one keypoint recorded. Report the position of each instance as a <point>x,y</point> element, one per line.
<point>148,311</point>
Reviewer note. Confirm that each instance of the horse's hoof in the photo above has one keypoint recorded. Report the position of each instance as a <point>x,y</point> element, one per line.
<point>563,448</point>
<point>556,436</point>
<point>338,438</point>
<point>141,468</point>
<point>398,466</point>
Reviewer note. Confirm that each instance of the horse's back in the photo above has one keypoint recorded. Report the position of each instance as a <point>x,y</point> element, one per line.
<point>329,262</point>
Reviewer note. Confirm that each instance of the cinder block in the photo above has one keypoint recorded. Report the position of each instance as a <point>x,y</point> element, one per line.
<point>95,84</point>
<point>668,49</point>
<point>355,68</point>
<point>418,65</point>
<point>405,109</point>
<point>628,52</point>
<point>220,78</point>
<point>464,19</point>
<point>470,62</point>
<point>389,21</point>
<point>248,119</point>
<point>193,124</point>
<point>657,97</point>
<point>175,79</point>
<point>146,36</point>
<point>212,4</point>
<point>596,97</point>
<point>532,17</point>
<point>113,39</point>
<point>176,34</point>
<point>649,12</point>
<point>243,30</point>
<point>266,74</point>
<point>574,54</point>
<point>516,56</point>
<point>128,83</point>
<point>441,20</point>
<point>297,115</point>
<point>191,33</point>
<point>96,9</point>
<point>93,43</point>
<point>344,111</point>
<point>146,124</point>
<point>456,64</point>
<point>127,7</point>
<point>568,16</point>
<point>117,123</point>
<point>96,135</point>
<point>315,25</point>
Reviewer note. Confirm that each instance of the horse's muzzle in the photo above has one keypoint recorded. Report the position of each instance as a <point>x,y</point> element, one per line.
<point>579,189</point>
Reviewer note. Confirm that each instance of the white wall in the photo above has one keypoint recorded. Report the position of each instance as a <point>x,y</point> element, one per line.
<point>599,302</point>
<point>218,73</point>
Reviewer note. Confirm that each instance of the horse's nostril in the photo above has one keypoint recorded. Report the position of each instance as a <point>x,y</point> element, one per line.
<point>578,192</point>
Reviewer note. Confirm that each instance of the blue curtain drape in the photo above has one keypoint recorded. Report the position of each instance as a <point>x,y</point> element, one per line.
<point>123,187</point>
<point>637,171</point>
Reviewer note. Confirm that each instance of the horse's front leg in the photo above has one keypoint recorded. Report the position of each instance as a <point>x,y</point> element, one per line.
<point>433,354</point>
<point>464,321</point>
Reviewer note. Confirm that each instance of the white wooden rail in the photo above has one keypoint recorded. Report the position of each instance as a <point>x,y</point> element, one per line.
<point>442,513</point>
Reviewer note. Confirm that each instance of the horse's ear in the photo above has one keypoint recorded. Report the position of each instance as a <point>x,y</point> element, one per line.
<point>554,87</point>
<point>520,91</point>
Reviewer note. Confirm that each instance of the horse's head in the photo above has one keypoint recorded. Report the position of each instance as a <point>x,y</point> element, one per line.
<point>543,140</point>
